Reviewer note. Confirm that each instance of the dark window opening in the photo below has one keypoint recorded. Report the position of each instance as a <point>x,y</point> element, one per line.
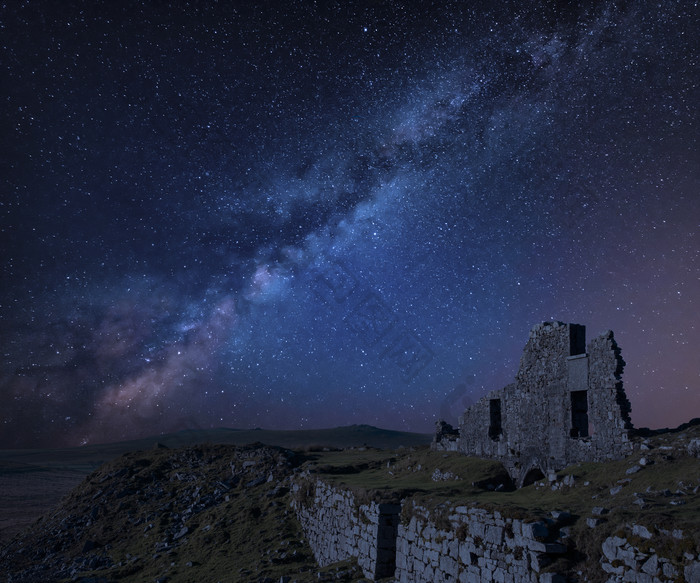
<point>495,427</point>
<point>577,339</point>
<point>579,414</point>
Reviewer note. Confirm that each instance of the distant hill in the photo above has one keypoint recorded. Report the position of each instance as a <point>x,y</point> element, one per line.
<point>221,512</point>
<point>88,457</point>
<point>33,481</point>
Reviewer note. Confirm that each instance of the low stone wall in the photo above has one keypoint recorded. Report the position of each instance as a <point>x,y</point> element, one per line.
<point>460,544</point>
<point>473,546</point>
<point>337,527</point>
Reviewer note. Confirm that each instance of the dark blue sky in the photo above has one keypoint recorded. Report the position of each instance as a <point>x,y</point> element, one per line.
<point>333,213</point>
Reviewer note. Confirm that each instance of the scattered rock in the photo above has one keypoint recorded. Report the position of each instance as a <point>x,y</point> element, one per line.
<point>692,573</point>
<point>640,530</point>
<point>440,476</point>
<point>651,566</point>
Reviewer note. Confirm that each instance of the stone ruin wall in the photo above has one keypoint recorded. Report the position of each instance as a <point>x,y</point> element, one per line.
<point>462,544</point>
<point>466,544</point>
<point>536,429</point>
<point>337,527</point>
<point>472,545</point>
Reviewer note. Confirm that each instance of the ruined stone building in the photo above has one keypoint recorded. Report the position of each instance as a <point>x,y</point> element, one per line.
<point>567,405</point>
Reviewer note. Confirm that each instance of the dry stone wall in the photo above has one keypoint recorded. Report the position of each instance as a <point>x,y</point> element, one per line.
<point>470,545</point>
<point>337,527</point>
<point>464,544</point>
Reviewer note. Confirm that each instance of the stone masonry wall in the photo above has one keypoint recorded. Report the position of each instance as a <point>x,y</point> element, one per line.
<point>461,544</point>
<point>567,405</point>
<point>338,528</point>
<point>472,545</point>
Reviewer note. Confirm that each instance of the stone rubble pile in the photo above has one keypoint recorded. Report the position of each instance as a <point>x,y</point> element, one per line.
<point>634,557</point>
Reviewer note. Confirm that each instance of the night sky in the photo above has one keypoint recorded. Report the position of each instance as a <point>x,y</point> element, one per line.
<point>311,214</point>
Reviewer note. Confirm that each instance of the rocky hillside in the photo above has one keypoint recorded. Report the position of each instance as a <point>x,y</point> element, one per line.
<point>223,512</point>
<point>203,513</point>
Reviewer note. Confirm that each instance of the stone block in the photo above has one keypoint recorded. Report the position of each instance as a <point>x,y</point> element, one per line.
<point>692,572</point>
<point>476,529</point>
<point>465,553</point>
<point>610,546</point>
<point>498,575</point>
<point>534,530</point>
<point>401,563</point>
<point>449,567</point>
<point>628,557</point>
<point>549,548</point>
<point>493,535</point>
<point>669,571</point>
<point>432,557</point>
<point>608,568</point>
<point>651,566</point>
<point>642,531</point>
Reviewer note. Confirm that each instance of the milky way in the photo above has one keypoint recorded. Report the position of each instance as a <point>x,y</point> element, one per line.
<point>310,215</point>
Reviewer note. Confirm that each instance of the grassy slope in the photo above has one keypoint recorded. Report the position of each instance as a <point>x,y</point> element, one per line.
<point>254,533</point>
<point>182,515</point>
<point>34,481</point>
<point>669,485</point>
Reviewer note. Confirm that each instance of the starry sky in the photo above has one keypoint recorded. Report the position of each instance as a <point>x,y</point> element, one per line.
<point>311,214</point>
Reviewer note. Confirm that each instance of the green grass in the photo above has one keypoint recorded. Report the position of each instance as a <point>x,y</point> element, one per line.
<point>410,471</point>
<point>254,533</point>
<point>407,474</point>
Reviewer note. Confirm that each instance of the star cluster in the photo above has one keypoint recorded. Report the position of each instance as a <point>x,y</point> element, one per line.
<point>299,215</point>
